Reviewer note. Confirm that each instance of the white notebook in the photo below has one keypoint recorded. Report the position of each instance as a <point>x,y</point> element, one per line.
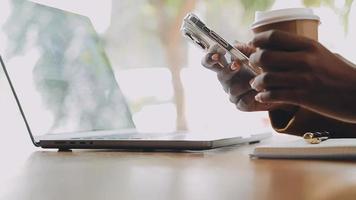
<point>328,149</point>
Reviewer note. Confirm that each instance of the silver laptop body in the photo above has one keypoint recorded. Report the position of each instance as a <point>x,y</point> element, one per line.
<point>77,98</point>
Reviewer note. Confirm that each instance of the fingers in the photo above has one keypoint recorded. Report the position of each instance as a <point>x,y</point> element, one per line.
<point>275,39</point>
<point>272,60</point>
<point>214,61</point>
<point>229,74</point>
<point>237,91</point>
<point>287,96</point>
<point>246,49</point>
<point>247,103</point>
<point>281,87</point>
<point>272,80</point>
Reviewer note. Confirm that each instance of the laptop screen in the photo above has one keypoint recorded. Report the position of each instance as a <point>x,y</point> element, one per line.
<point>60,72</point>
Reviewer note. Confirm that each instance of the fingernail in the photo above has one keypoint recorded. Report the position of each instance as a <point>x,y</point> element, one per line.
<point>215,57</point>
<point>258,98</point>
<point>234,66</point>
<point>252,81</point>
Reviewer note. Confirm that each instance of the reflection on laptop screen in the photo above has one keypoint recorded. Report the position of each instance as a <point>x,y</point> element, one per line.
<point>60,71</point>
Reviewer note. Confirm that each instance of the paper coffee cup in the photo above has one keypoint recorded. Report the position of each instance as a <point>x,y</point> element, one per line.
<point>301,21</point>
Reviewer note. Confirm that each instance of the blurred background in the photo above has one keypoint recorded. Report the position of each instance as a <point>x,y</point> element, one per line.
<point>160,73</point>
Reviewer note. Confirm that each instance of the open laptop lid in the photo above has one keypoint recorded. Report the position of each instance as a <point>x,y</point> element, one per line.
<point>60,73</point>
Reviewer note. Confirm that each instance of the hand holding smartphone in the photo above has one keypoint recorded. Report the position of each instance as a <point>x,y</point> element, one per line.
<point>197,32</point>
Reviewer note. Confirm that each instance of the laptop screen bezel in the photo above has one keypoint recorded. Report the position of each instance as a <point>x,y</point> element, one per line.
<point>18,103</point>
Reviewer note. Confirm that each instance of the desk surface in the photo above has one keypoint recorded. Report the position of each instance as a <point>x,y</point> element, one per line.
<point>226,173</point>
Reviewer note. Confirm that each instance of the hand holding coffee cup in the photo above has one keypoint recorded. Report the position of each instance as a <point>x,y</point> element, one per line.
<point>298,21</point>
<point>300,71</point>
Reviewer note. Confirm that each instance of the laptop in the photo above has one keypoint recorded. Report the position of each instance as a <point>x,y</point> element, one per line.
<point>67,92</point>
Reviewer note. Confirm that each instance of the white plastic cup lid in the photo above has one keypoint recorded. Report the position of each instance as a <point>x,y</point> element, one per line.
<point>289,14</point>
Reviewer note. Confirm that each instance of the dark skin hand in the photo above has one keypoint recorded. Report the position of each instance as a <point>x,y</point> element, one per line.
<point>235,80</point>
<point>302,72</point>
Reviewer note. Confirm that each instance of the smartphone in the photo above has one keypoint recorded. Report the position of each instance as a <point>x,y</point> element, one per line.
<point>197,32</point>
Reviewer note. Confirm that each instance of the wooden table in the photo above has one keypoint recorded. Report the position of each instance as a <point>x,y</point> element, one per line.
<point>226,173</point>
